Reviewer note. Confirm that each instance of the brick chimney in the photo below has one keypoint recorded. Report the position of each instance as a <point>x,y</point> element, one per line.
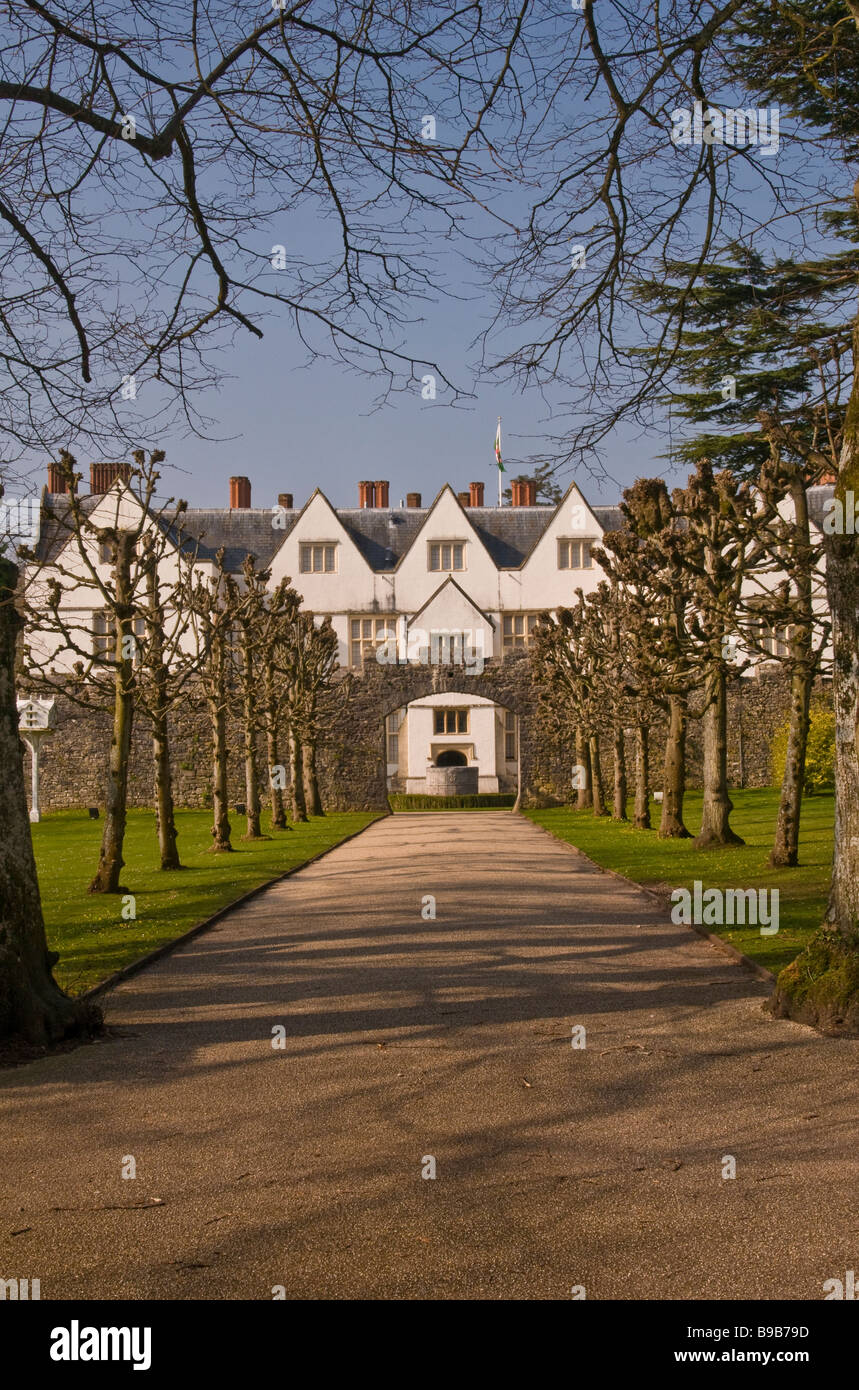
<point>103,475</point>
<point>475,492</point>
<point>240,494</point>
<point>523,492</point>
<point>464,499</point>
<point>381,494</point>
<point>413,499</point>
<point>365,494</point>
<point>56,481</point>
<point>284,499</point>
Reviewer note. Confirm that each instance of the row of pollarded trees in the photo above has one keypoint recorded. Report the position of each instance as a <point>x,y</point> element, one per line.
<point>172,628</point>
<point>697,582</point>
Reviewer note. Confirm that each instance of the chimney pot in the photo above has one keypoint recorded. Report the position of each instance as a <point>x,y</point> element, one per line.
<point>413,499</point>
<point>365,494</point>
<point>103,475</point>
<point>381,494</point>
<point>240,494</point>
<point>476,494</point>
<point>529,491</point>
<point>56,481</point>
<point>284,499</point>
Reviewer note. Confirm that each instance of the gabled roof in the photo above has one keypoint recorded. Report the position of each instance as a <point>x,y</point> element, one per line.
<point>469,600</point>
<point>383,536</point>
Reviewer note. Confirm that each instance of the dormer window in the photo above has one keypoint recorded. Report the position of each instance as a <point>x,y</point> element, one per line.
<point>574,555</point>
<point>317,558</point>
<point>446,556</point>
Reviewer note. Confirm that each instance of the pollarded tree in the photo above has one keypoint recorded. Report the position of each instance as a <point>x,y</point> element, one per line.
<point>32,1005</point>
<point>760,371</point>
<point>213,604</point>
<point>561,660</point>
<point>109,554</point>
<point>658,657</point>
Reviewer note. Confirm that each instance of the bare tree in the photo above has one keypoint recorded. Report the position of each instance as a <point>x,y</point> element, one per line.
<point>131,542</point>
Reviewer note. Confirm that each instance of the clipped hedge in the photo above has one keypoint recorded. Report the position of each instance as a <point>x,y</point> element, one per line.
<point>476,801</point>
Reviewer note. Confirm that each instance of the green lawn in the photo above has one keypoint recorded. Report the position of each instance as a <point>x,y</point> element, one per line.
<point>89,932</point>
<point>667,864</point>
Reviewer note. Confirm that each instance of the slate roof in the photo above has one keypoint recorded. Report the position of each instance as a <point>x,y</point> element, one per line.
<point>383,535</point>
<point>53,534</point>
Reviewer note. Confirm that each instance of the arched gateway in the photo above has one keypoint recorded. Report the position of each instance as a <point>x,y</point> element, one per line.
<point>362,763</point>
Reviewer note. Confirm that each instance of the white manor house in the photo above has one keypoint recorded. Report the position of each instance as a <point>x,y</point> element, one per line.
<point>457,582</point>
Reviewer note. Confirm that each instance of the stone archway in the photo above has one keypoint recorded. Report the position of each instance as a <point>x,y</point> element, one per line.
<point>353,762</point>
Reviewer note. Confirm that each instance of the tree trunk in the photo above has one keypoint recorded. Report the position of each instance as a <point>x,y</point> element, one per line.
<point>842,583</point>
<point>642,783</point>
<point>785,850</point>
<point>715,823</point>
<point>111,862</point>
<point>296,773</point>
<point>32,1005</point>
<point>671,825</point>
<point>164,809</point>
<point>252,797</point>
<point>596,776</point>
<point>221,829</point>
<point>278,810</point>
<point>584,794</point>
<point>311,782</point>
<point>620,788</point>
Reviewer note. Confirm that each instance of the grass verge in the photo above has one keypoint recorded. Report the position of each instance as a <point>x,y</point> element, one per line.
<point>666,864</point>
<point>90,933</point>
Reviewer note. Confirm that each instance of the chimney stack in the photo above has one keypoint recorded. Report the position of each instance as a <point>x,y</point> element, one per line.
<point>240,494</point>
<point>523,492</point>
<point>284,499</point>
<point>103,475</point>
<point>464,499</point>
<point>413,499</point>
<point>56,481</point>
<point>365,494</point>
<point>381,494</point>
<point>475,492</point>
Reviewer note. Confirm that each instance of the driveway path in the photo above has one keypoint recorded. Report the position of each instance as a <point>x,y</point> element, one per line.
<point>555,1167</point>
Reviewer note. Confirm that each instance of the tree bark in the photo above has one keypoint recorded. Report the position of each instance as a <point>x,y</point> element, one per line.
<point>278,810</point>
<point>620,787</point>
<point>842,583</point>
<point>311,782</point>
<point>32,1005</point>
<point>111,862</point>
<point>596,777</point>
<point>221,829</point>
<point>671,826</point>
<point>252,797</point>
<point>296,774</point>
<point>584,795</point>
<point>785,850</point>
<point>715,824</point>
<point>642,782</point>
<point>164,808</point>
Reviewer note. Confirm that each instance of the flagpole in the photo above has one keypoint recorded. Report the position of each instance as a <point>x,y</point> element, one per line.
<point>498,470</point>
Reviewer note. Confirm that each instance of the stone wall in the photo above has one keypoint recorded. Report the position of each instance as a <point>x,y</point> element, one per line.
<point>351,762</point>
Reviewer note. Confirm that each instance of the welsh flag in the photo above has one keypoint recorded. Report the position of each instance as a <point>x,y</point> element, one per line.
<point>498,448</point>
